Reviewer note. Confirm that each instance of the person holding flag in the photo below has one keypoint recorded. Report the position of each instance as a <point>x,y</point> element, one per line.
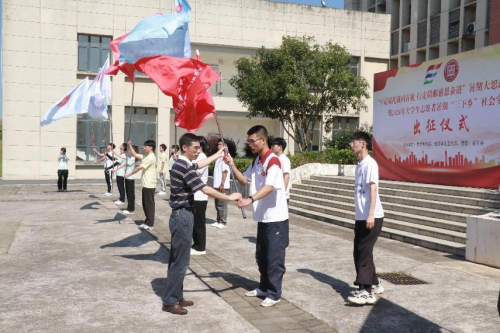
<point>108,166</point>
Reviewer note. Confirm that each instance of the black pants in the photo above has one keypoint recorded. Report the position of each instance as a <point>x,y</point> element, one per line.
<point>200,228</point>
<point>270,256</point>
<point>148,203</point>
<point>62,179</point>
<point>120,182</point>
<point>364,241</point>
<point>108,174</point>
<point>130,187</point>
<point>181,229</point>
<point>287,226</point>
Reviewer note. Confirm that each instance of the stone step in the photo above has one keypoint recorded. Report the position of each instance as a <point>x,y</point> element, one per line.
<point>418,187</point>
<point>323,193</point>
<point>314,198</point>
<point>403,236</point>
<point>460,226</point>
<point>344,189</point>
<point>454,236</point>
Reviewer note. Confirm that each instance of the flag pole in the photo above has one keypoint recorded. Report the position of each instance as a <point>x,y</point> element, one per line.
<point>131,111</point>
<point>230,169</point>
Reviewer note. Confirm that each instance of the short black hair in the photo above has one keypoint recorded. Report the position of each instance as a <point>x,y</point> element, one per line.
<point>187,140</point>
<point>260,131</point>
<point>176,147</point>
<point>150,143</point>
<point>164,146</point>
<point>363,136</point>
<point>279,142</point>
<point>63,150</point>
<point>124,145</point>
<point>203,143</point>
<point>112,145</point>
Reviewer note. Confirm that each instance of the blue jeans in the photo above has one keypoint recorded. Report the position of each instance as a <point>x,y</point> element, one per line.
<point>270,256</point>
<point>181,228</point>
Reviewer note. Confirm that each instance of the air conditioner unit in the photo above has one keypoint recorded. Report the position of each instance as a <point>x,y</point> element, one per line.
<point>471,28</point>
<point>406,47</point>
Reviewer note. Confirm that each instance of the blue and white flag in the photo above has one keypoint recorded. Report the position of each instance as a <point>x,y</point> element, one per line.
<point>159,34</point>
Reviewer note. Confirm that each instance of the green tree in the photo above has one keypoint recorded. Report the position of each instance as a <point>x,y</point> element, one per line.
<point>299,83</point>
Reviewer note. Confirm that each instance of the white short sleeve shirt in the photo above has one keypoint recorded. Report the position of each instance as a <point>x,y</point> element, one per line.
<point>366,173</point>
<point>220,167</point>
<point>267,171</point>
<point>286,167</point>
<point>199,195</point>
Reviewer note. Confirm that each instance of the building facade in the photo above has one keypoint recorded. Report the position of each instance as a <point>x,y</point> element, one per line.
<point>423,30</point>
<point>50,46</point>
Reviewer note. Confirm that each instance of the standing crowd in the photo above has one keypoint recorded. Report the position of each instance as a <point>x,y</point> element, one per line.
<point>269,179</point>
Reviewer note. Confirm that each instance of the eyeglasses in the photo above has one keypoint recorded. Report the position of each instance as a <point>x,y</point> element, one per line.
<point>197,147</point>
<point>252,142</point>
<point>351,144</point>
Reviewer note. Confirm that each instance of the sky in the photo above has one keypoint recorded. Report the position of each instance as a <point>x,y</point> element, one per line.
<point>329,3</point>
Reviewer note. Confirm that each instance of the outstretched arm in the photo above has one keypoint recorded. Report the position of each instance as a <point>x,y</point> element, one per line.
<point>206,161</point>
<point>237,173</point>
<point>132,151</point>
<point>98,153</point>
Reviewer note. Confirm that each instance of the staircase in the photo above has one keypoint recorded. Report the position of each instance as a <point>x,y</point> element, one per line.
<point>431,216</point>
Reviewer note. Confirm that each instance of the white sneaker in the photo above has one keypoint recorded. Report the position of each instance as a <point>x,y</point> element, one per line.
<point>215,224</point>
<point>362,297</point>
<point>378,289</point>
<point>118,202</point>
<point>268,302</point>
<point>197,253</point>
<point>256,293</point>
<point>162,193</point>
<point>107,194</point>
<point>221,226</point>
<point>126,212</point>
<point>145,227</point>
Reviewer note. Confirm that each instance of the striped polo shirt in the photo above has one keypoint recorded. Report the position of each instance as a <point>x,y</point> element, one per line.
<point>184,181</point>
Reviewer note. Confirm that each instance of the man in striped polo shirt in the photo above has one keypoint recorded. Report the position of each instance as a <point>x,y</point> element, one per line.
<point>270,210</point>
<point>185,182</point>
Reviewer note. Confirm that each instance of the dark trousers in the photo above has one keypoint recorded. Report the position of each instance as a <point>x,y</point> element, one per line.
<point>108,174</point>
<point>364,241</point>
<point>221,208</point>
<point>62,179</point>
<point>270,256</point>
<point>287,226</point>
<point>148,203</point>
<point>130,187</point>
<point>200,228</point>
<point>120,182</point>
<point>181,229</point>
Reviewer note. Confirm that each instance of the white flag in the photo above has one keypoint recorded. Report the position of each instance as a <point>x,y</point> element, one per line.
<point>99,94</point>
<point>76,102</point>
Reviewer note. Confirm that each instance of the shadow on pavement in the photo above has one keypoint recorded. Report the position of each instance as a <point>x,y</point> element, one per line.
<point>385,316</point>
<point>118,218</point>
<point>210,221</point>
<point>158,256</point>
<point>342,288</point>
<point>90,206</point>
<point>251,239</point>
<point>68,191</point>
<point>235,281</point>
<point>136,240</point>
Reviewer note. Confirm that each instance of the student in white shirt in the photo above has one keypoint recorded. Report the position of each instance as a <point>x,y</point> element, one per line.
<point>62,171</point>
<point>369,219</point>
<point>270,210</point>
<point>200,206</point>
<point>162,169</point>
<point>108,166</point>
<point>223,185</point>
<point>278,145</point>
<point>120,173</point>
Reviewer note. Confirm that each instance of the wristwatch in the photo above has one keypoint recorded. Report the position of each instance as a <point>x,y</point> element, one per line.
<point>251,198</point>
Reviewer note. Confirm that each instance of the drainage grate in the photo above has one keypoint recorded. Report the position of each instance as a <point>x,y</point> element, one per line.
<point>400,278</point>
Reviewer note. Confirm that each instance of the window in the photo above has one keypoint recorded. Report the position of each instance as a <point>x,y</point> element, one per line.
<point>143,125</point>
<point>344,124</point>
<point>90,134</point>
<point>316,137</point>
<point>92,52</point>
<point>354,66</point>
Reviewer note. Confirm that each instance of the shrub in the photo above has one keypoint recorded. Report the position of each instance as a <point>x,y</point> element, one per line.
<point>241,164</point>
<point>329,156</point>
<point>341,139</point>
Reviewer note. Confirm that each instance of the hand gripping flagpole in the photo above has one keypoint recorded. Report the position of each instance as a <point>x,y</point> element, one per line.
<point>230,169</point>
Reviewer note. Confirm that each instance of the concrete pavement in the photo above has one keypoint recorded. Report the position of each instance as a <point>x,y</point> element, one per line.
<point>73,262</point>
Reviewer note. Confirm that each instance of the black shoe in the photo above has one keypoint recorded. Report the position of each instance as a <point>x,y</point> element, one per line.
<point>59,190</point>
<point>65,190</point>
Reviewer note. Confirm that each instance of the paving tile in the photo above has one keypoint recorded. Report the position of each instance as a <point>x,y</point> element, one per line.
<point>322,329</point>
<point>310,323</point>
<point>269,328</point>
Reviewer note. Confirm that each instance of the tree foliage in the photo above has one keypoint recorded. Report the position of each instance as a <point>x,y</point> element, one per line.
<point>298,83</point>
